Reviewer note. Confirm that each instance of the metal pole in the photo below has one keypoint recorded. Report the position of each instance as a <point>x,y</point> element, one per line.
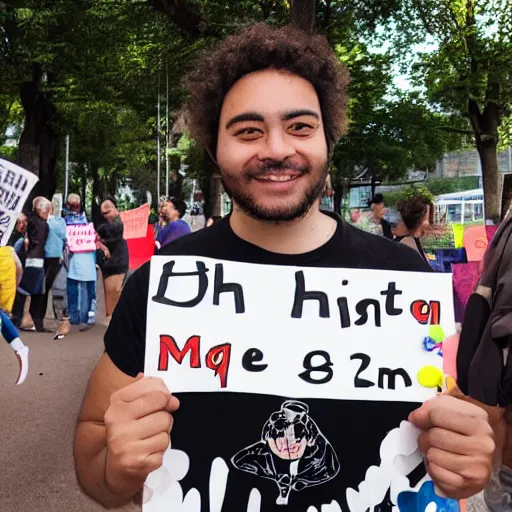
<point>167,131</point>
<point>66,183</point>
<point>158,145</point>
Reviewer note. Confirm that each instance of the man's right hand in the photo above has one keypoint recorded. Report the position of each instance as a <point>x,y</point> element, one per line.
<point>138,423</point>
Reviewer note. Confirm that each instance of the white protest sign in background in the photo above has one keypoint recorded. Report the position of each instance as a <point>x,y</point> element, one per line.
<point>297,333</point>
<point>16,184</point>
<point>267,334</point>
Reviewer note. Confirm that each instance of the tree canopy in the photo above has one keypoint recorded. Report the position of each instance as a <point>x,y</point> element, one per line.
<point>94,69</point>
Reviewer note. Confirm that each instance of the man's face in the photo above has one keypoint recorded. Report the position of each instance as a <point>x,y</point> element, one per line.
<point>21,225</point>
<point>271,149</point>
<point>379,210</point>
<point>74,206</point>
<point>169,212</point>
<point>109,211</point>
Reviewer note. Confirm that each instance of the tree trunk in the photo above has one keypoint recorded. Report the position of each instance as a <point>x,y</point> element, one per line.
<point>303,15</point>
<point>38,147</point>
<point>485,127</point>
<point>338,196</point>
<point>216,193</point>
<point>96,197</point>
<point>491,179</point>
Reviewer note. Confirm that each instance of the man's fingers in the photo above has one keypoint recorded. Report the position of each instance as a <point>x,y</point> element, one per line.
<point>450,413</point>
<point>455,443</point>
<point>152,425</point>
<point>463,466</point>
<point>141,386</point>
<point>445,479</point>
<point>156,444</point>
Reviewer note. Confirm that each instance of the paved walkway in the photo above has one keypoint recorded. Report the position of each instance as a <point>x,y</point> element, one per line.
<point>38,419</point>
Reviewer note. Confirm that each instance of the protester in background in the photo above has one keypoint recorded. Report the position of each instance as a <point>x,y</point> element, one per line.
<point>81,283</point>
<point>173,210</point>
<point>33,280</point>
<point>10,277</point>
<point>415,212</point>
<point>212,220</point>
<point>114,264</point>
<point>381,225</point>
<point>16,238</point>
<point>53,251</point>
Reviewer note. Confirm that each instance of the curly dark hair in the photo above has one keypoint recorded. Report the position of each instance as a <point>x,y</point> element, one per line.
<point>261,47</point>
<point>413,210</point>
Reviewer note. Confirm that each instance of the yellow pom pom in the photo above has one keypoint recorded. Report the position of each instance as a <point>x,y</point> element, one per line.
<point>430,377</point>
<point>436,333</point>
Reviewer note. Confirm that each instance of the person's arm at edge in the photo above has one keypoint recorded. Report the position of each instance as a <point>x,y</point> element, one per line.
<point>90,443</point>
<point>19,267</point>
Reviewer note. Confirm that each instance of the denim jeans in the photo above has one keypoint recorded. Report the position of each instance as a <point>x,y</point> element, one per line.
<point>9,332</point>
<point>81,301</point>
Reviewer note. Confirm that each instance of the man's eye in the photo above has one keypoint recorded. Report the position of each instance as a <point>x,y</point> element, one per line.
<point>301,128</point>
<point>248,133</point>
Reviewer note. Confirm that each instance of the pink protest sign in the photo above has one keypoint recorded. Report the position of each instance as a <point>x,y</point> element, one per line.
<point>81,238</point>
<point>475,242</point>
<point>135,222</point>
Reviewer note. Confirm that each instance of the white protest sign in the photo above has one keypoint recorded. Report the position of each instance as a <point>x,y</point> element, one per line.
<point>16,184</point>
<point>308,335</point>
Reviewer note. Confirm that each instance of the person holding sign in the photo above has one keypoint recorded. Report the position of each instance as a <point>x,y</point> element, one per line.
<point>114,265</point>
<point>269,105</point>
<point>81,279</point>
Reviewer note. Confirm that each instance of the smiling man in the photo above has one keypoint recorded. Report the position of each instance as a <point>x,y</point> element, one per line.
<point>268,105</point>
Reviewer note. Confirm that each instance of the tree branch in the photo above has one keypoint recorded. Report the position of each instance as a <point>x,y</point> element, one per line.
<point>455,130</point>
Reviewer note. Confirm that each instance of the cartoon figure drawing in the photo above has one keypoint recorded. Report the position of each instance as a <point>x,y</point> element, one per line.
<point>292,452</point>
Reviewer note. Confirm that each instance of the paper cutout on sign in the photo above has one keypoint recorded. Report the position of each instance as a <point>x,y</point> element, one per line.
<point>430,377</point>
<point>388,478</point>
<point>450,347</point>
<point>436,333</point>
<point>426,499</point>
<point>458,235</point>
<point>475,242</point>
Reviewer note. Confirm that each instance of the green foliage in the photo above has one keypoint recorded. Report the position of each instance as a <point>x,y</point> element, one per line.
<point>390,132</point>
<point>432,188</point>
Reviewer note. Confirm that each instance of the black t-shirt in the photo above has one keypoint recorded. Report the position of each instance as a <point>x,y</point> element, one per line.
<point>204,427</point>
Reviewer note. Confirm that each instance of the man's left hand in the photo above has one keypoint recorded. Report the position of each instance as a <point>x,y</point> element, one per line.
<point>457,444</point>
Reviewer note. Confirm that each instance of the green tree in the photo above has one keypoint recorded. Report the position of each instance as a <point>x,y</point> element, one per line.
<point>390,132</point>
<point>469,72</point>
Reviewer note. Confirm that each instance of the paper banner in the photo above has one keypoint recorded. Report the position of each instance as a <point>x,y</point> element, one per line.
<point>135,222</point>
<point>458,235</point>
<point>475,242</point>
<point>303,379</point>
<point>81,238</point>
<point>465,279</point>
<point>16,184</point>
<point>141,249</point>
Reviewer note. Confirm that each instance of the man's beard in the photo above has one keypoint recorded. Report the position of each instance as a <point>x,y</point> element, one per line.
<point>234,187</point>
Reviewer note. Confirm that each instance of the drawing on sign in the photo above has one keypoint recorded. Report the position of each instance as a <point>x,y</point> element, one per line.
<point>290,435</point>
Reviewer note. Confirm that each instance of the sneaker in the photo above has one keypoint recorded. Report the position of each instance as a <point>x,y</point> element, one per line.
<point>22,356</point>
<point>85,327</point>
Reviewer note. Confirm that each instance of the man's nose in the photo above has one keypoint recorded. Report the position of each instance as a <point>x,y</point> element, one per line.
<point>277,146</point>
